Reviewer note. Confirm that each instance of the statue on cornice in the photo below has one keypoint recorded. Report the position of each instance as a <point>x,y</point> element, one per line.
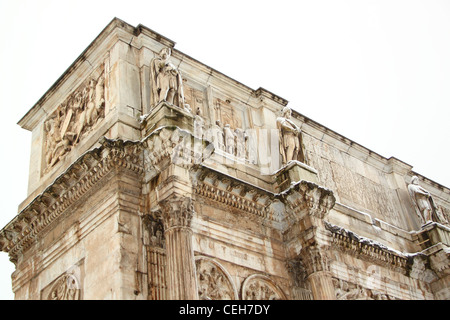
<point>290,138</point>
<point>424,203</point>
<point>166,81</point>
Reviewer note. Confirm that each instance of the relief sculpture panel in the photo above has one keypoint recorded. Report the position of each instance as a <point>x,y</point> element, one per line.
<point>65,287</point>
<point>72,119</point>
<point>259,287</point>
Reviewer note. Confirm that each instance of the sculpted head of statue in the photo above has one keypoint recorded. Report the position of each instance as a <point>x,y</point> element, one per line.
<point>165,53</point>
<point>286,112</point>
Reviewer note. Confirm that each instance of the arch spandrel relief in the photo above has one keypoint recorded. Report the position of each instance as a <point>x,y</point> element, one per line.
<point>214,282</point>
<point>260,287</point>
<point>65,287</point>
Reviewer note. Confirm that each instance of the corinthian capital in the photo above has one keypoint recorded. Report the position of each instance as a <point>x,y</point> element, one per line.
<point>177,211</point>
<point>307,198</point>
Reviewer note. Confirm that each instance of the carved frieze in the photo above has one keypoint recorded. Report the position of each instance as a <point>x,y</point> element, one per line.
<point>349,291</point>
<point>235,142</point>
<point>77,115</point>
<point>214,283</point>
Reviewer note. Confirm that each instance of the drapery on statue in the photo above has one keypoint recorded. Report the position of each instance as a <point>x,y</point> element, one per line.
<point>290,138</point>
<point>424,203</point>
<point>166,82</point>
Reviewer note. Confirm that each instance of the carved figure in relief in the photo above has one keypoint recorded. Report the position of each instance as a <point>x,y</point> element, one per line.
<point>90,106</point>
<point>154,225</point>
<point>219,141</point>
<point>241,138</point>
<point>213,284</point>
<point>290,145</point>
<point>199,123</point>
<point>258,290</point>
<point>166,81</point>
<point>80,114</point>
<point>52,136</point>
<point>251,146</point>
<point>424,203</point>
<point>350,291</point>
<point>95,102</point>
<point>229,139</point>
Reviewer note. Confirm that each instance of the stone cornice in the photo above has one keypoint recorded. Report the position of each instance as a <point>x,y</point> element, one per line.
<point>235,194</point>
<point>427,265</point>
<point>349,241</point>
<point>81,176</point>
<point>300,199</point>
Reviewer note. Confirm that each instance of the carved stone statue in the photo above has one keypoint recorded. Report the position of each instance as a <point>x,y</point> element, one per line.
<point>166,81</point>
<point>424,203</point>
<point>290,144</point>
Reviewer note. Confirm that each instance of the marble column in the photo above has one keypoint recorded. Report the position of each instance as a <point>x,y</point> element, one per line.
<point>318,274</point>
<point>177,213</point>
<point>322,287</point>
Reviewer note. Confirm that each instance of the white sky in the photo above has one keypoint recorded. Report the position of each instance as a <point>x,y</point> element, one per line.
<point>377,72</point>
